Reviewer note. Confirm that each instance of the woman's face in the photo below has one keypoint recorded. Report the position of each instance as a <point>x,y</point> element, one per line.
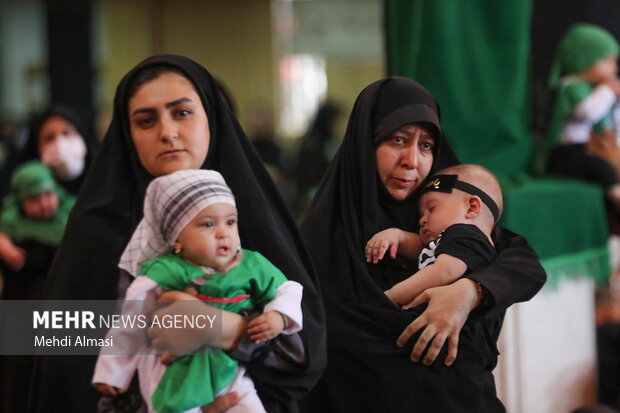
<point>404,159</point>
<point>169,125</point>
<point>52,129</point>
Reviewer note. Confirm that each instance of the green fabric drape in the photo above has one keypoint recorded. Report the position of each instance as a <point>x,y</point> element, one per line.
<point>473,56</point>
<point>565,222</point>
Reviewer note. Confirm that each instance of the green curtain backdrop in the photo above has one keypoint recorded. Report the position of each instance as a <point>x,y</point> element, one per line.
<point>473,57</point>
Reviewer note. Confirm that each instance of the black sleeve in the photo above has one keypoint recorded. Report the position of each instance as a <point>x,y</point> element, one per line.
<point>284,352</point>
<point>516,275</point>
<point>467,243</point>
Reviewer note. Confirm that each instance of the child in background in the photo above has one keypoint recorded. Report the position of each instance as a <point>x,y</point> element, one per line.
<point>188,239</point>
<point>35,212</point>
<point>459,208</point>
<point>581,139</point>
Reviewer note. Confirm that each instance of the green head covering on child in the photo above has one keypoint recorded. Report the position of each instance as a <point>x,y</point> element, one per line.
<point>581,47</point>
<point>30,180</point>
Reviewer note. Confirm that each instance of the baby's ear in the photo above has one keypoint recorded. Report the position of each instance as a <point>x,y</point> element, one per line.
<point>474,206</point>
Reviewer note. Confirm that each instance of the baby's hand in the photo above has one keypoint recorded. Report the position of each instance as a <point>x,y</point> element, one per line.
<point>108,389</point>
<point>167,359</point>
<point>379,244</point>
<point>266,326</point>
<point>13,255</point>
<point>191,289</point>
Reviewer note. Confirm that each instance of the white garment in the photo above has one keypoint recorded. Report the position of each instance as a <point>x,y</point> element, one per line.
<point>427,255</point>
<point>589,111</point>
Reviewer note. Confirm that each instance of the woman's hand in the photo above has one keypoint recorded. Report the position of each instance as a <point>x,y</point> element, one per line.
<point>224,333</point>
<point>108,389</point>
<point>221,404</point>
<point>448,309</point>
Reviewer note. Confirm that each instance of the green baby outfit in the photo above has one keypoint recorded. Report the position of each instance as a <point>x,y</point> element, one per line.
<point>194,380</point>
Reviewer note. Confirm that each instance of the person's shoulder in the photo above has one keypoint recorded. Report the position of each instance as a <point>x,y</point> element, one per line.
<point>257,260</point>
<point>503,237</point>
<point>456,230</point>
<point>468,243</point>
<point>464,234</point>
<point>250,256</point>
<point>258,263</point>
<point>165,262</point>
<point>170,271</point>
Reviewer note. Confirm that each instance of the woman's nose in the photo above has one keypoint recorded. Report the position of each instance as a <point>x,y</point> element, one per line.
<point>169,130</point>
<point>409,158</point>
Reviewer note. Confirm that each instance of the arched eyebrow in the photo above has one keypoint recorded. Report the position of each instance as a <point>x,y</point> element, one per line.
<point>427,135</point>
<point>177,102</point>
<point>167,105</point>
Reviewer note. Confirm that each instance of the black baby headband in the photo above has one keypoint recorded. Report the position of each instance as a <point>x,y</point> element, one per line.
<point>445,183</point>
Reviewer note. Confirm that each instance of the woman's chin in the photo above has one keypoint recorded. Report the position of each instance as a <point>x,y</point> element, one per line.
<point>166,168</point>
<point>400,194</point>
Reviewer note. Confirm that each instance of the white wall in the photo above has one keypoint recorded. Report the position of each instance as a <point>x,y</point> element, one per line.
<point>548,351</point>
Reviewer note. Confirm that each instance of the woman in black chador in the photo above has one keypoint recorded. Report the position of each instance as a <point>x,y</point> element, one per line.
<point>156,136</point>
<point>393,143</point>
<point>57,138</point>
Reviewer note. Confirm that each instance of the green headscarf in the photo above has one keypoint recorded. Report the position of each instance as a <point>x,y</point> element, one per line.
<point>31,179</point>
<point>581,47</point>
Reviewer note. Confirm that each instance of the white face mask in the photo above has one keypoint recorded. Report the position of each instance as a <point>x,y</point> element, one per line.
<point>65,156</point>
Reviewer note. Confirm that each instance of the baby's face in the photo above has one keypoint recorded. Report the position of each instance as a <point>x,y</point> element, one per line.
<point>211,238</point>
<point>40,207</point>
<point>439,210</point>
<point>601,71</point>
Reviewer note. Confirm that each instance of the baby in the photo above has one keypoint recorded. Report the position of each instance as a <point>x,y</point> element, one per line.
<point>459,208</point>
<point>581,140</point>
<point>35,210</point>
<point>583,78</point>
<point>188,239</point>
